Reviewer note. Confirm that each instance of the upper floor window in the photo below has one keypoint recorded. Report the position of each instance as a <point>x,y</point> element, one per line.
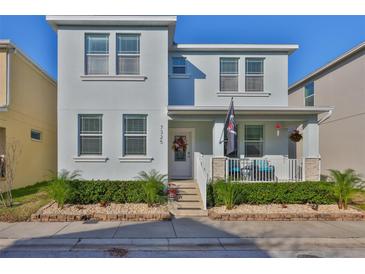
<point>128,54</point>
<point>90,134</point>
<point>135,134</point>
<point>309,94</point>
<point>254,74</point>
<point>96,54</point>
<point>178,65</point>
<point>229,74</point>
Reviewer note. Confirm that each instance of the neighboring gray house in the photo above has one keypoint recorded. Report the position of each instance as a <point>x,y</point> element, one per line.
<point>340,83</point>
<point>129,99</point>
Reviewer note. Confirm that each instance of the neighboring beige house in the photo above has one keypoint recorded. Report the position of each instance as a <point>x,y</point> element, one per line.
<point>340,83</point>
<point>28,115</point>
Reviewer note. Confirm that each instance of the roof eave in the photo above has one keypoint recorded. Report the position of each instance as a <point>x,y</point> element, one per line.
<point>289,48</point>
<point>327,66</point>
<point>71,20</point>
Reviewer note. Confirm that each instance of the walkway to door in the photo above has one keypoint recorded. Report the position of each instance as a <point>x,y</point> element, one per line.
<point>189,201</point>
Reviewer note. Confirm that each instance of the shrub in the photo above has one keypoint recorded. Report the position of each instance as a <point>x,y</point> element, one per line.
<point>267,193</point>
<point>58,191</point>
<point>152,176</point>
<point>59,187</point>
<point>228,193</point>
<point>344,185</point>
<point>96,191</point>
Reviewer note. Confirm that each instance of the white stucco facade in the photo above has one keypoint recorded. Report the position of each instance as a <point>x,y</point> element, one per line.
<point>191,101</point>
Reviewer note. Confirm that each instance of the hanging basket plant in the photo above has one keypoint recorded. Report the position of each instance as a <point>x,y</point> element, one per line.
<point>179,144</point>
<point>295,136</point>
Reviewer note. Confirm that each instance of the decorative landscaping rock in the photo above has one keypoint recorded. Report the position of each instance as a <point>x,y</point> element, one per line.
<point>111,212</point>
<point>275,212</point>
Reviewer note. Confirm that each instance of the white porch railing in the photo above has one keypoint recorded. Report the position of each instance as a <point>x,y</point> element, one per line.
<point>203,174</point>
<point>275,169</point>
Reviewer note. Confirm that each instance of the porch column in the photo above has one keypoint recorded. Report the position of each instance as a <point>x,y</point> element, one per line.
<point>311,155</point>
<point>218,147</point>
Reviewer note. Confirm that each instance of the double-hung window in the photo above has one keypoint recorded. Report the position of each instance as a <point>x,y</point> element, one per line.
<point>229,74</point>
<point>309,94</point>
<point>254,74</point>
<point>96,54</point>
<point>128,54</point>
<point>90,134</point>
<point>178,65</point>
<point>254,140</point>
<point>134,134</point>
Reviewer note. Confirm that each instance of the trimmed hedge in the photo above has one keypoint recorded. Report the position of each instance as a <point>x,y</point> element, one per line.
<point>95,191</point>
<point>274,193</point>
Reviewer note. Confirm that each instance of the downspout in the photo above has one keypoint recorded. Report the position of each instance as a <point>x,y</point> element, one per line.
<point>328,115</point>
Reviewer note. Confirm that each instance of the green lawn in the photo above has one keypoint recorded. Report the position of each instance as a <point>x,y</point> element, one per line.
<point>27,201</point>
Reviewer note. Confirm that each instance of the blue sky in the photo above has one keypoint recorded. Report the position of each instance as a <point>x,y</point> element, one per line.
<point>321,38</point>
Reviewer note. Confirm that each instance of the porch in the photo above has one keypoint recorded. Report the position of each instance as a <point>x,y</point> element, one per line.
<point>265,151</point>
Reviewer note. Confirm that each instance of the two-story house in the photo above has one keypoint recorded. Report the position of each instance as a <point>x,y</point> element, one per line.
<point>28,119</point>
<point>130,99</point>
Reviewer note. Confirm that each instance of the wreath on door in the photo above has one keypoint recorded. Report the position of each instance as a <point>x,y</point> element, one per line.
<point>180,143</point>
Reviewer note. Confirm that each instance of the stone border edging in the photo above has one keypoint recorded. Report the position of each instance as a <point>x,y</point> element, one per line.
<point>40,217</point>
<point>286,216</point>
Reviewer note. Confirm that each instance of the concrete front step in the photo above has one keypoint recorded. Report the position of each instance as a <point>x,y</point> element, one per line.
<point>188,191</point>
<point>188,198</point>
<point>190,205</point>
<point>190,213</point>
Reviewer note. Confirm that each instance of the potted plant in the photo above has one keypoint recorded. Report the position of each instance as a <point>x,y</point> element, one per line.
<point>295,136</point>
<point>172,194</point>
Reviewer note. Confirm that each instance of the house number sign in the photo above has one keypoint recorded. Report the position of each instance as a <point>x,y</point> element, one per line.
<point>161,134</point>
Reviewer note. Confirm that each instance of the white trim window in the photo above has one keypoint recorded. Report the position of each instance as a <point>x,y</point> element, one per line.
<point>229,74</point>
<point>134,134</point>
<point>309,94</point>
<point>254,140</point>
<point>254,80</point>
<point>179,65</point>
<point>97,54</point>
<point>90,134</point>
<point>128,54</point>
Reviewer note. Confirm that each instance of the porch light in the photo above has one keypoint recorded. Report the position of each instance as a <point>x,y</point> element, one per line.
<point>278,126</point>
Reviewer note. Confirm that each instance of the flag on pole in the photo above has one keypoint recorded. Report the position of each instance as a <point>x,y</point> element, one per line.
<point>231,131</point>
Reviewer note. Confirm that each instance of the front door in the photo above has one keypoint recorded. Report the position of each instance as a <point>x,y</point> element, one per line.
<point>180,154</point>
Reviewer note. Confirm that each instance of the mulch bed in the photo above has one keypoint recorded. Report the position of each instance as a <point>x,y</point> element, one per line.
<point>275,212</point>
<point>109,212</point>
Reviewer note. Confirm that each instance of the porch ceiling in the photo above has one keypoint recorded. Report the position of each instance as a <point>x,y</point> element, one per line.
<point>252,110</point>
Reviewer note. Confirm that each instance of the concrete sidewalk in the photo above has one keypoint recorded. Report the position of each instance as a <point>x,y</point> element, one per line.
<point>183,237</point>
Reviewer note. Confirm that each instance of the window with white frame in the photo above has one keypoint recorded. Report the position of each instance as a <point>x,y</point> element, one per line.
<point>97,54</point>
<point>229,74</point>
<point>178,65</point>
<point>309,94</point>
<point>128,54</point>
<point>35,135</point>
<point>254,140</point>
<point>134,134</point>
<point>254,74</point>
<point>90,134</point>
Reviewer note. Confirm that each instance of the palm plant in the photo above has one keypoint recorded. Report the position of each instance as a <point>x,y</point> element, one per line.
<point>344,185</point>
<point>153,185</point>
<point>228,193</point>
<point>152,176</point>
<point>58,190</point>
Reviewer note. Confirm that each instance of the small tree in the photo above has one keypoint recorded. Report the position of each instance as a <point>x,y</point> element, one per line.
<point>12,154</point>
<point>344,184</point>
